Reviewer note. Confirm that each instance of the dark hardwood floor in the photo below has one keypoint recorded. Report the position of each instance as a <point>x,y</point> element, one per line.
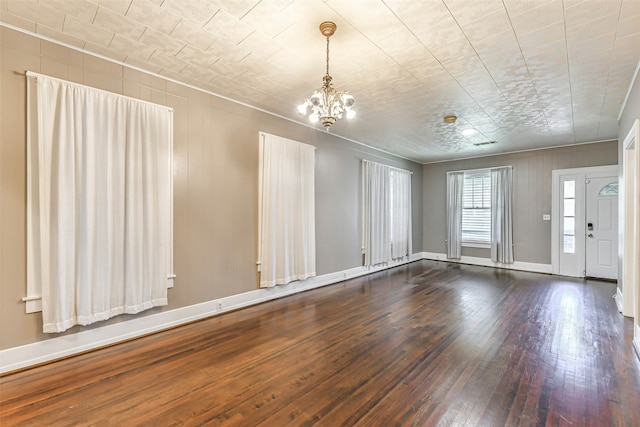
<point>425,344</point>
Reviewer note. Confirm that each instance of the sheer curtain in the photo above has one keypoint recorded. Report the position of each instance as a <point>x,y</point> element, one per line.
<point>287,245</point>
<point>400,213</point>
<point>455,183</point>
<point>99,203</point>
<point>376,218</point>
<point>501,215</point>
<point>386,212</point>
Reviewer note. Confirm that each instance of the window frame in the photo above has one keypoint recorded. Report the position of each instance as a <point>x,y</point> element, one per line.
<point>485,174</point>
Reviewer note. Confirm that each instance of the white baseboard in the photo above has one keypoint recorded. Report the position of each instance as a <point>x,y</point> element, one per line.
<point>486,262</point>
<point>636,341</point>
<point>15,358</point>
<point>619,299</point>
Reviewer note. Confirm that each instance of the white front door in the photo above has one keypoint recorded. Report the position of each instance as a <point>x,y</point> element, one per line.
<point>601,220</point>
<point>576,202</point>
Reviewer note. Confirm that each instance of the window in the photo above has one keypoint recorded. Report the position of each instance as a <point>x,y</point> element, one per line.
<point>569,217</point>
<point>479,212</point>
<point>609,189</point>
<point>476,209</point>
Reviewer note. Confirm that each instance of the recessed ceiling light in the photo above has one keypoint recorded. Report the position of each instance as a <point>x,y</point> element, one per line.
<point>450,119</point>
<point>469,132</point>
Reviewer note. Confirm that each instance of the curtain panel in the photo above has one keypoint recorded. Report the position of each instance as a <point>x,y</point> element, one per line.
<point>501,215</point>
<point>386,211</point>
<point>401,229</point>
<point>455,184</point>
<point>376,218</point>
<point>99,203</point>
<point>287,245</point>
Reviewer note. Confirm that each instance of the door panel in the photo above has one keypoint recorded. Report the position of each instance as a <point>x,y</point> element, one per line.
<point>601,228</point>
<point>605,249</point>
<point>605,222</point>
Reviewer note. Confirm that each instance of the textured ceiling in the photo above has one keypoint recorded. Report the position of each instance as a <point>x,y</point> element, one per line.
<point>525,73</point>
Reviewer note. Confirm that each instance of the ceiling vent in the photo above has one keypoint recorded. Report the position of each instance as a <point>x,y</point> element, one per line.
<point>477,144</point>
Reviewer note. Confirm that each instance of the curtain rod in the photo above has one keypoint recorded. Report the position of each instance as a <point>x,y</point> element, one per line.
<point>480,169</point>
<point>265,134</point>
<point>37,75</point>
<point>390,167</point>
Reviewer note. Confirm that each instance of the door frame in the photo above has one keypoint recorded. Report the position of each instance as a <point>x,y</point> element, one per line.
<point>580,175</point>
<point>628,293</point>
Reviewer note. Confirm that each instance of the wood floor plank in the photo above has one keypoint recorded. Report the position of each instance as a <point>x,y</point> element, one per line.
<point>425,344</point>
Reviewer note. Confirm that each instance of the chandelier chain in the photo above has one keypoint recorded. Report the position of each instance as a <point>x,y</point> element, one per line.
<point>327,56</point>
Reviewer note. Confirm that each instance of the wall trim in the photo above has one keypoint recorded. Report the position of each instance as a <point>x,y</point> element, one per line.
<point>486,262</point>
<point>618,299</point>
<point>628,225</point>
<point>636,341</point>
<point>519,151</point>
<point>40,352</point>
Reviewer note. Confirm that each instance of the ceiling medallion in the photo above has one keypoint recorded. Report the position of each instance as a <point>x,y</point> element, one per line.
<point>327,104</point>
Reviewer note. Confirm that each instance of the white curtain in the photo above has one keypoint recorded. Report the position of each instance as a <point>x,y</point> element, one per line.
<point>386,212</point>
<point>400,213</point>
<point>501,215</point>
<point>455,183</point>
<point>99,203</point>
<point>376,218</point>
<point>287,246</point>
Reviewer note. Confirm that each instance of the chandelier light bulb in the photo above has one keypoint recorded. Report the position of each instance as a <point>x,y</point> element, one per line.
<point>316,99</point>
<point>348,100</point>
<point>351,114</point>
<point>314,117</point>
<point>302,109</point>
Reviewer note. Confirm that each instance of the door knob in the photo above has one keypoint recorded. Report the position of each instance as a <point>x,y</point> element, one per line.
<point>590,235</point>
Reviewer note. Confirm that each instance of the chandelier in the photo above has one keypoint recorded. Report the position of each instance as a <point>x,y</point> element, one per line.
<point>327,104</point>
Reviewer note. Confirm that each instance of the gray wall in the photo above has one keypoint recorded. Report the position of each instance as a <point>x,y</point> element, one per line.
<point>531,197</point>
<point>215,183</point>
<point>630,113</point>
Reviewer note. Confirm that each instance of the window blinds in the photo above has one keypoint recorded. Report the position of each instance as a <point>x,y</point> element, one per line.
<point>476,213</point>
